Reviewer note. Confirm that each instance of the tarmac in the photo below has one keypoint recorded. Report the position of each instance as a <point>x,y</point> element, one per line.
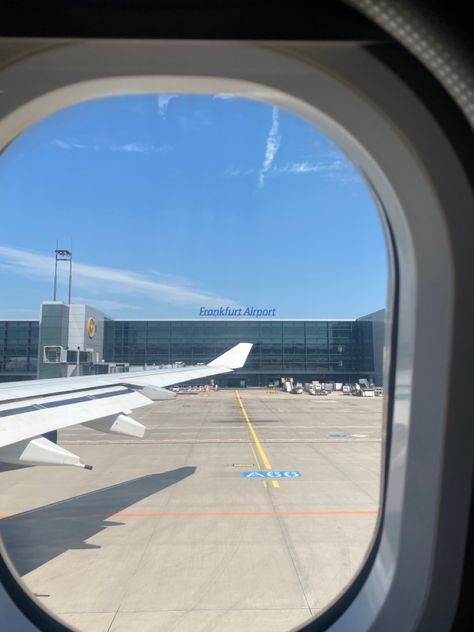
<point>179,531</point>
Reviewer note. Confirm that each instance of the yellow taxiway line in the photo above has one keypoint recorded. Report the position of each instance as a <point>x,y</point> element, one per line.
<point>256,440</point>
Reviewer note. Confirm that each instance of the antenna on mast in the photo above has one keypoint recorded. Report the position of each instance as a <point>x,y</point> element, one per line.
<point>62,255</point>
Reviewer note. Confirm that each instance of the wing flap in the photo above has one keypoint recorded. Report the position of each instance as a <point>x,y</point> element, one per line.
<point>39,451</point>
<point>60,412</point>
<point>118,424</point>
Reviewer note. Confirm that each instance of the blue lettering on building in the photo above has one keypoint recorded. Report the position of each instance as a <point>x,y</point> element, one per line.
<point>232,312</point>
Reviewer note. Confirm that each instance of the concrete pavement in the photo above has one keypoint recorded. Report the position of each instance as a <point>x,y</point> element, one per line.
<point>166,534</point>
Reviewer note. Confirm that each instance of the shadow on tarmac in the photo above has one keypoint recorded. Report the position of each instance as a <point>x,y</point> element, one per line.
<point>7,467</point>
<point>35,537</point>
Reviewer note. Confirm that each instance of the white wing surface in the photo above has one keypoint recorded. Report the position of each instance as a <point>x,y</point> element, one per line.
<point>33,408</point>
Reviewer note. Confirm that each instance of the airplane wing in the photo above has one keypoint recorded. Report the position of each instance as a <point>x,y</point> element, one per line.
<point>33,408</point>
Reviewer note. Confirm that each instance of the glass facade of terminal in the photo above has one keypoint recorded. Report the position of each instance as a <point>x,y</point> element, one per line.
<point>306,350</point>
<point>337,349</point>
<point>18,349</point>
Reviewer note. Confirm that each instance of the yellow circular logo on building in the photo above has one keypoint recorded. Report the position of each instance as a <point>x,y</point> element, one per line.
<point>91,327</point>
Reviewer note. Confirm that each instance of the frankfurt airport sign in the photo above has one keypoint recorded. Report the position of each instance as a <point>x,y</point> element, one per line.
<point>249,312</point>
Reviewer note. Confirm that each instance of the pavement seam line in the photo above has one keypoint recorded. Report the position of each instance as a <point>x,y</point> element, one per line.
<point>255,438</point>
<point>204,514</point>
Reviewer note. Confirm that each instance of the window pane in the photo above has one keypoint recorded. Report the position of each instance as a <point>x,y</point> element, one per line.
<point>197,223</point>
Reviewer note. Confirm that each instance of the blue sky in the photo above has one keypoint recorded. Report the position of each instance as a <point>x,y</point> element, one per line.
<point>178,202</point>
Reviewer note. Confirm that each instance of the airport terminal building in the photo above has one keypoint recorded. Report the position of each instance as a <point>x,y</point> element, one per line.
<point>80,340</point>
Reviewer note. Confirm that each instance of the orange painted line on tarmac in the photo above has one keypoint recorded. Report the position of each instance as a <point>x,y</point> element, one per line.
<point>194,441</point>
<point>199,514</point>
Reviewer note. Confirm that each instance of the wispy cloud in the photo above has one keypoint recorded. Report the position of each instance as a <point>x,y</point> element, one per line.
<point>112,281</point>
<point>224,95</point>
<point>339,169</point>
<point>174,279</point>
<point>273,143</point>
<point>18,312</point>
<point>106,305</point>
<point>131,147</point>
<point>311,167</point>
<point>142,148</point>
<point>63,144</point>
<point>163,102</point>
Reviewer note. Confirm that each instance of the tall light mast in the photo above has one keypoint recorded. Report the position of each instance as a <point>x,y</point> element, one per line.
<point>62,255</point>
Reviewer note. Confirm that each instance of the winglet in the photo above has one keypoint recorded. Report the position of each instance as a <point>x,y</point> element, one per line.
<point>235,358</point>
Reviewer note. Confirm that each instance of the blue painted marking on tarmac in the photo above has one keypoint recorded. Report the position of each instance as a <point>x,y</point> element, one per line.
<point>337,435</point>
<point>272,474</point>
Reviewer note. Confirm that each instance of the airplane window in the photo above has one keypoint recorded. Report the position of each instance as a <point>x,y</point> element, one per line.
<point>204,280</point>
